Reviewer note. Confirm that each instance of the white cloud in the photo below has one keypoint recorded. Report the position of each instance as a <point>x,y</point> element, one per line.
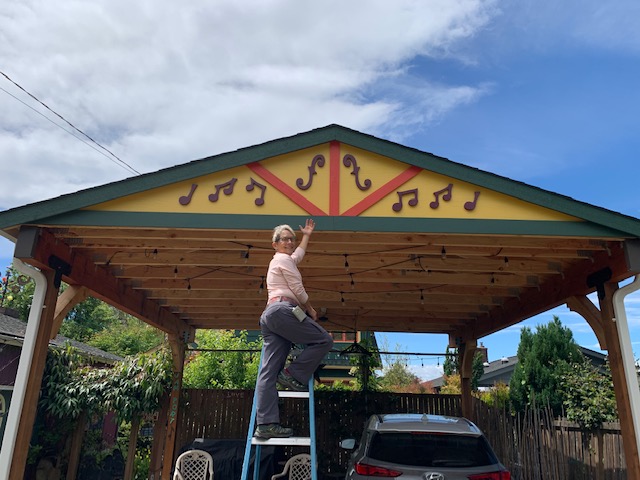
<point>160,84</point>
<point>428,372</point>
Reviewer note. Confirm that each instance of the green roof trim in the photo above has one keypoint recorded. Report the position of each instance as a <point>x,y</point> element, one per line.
<point>377,224</point>
<point>50,209</point>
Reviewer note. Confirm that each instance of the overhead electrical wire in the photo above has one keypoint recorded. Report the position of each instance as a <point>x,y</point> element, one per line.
<point>111,156</point>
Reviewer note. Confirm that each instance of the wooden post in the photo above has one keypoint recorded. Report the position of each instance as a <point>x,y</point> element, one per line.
<point>627,427</point>
<point>466,352</point>
<point>76,446</point>
<point>159,434</point>
<point>34,381</point>
<point>177,350</point>
<point>131,452</point>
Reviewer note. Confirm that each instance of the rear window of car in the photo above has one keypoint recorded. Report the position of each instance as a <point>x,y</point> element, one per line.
<point>431,450</point>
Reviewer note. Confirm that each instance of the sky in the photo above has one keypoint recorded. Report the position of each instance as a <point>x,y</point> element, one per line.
<point>542,92</point>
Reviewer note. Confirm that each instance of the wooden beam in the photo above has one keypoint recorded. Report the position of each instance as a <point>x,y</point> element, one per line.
<point>585,307</point>
<point>552,293</point>
<point>73,295</point>
<point>616,362</point>
<point>103,285</point>
<point>466,352</point>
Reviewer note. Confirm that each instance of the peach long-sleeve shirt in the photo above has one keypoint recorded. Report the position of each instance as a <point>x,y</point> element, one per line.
<point>283,276</point>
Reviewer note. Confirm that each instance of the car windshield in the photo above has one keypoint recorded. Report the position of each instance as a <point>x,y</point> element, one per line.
<point>431,450</point>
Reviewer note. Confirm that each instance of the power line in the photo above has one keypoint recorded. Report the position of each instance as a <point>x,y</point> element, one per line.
<point>118,161</point>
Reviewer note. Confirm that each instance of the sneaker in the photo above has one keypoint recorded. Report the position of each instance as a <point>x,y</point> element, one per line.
<point>272,430</point>
<point>286,380</point>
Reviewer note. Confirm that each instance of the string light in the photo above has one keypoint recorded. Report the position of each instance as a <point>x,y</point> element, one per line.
<point>353,284</point>
<point>261,289</point>
<point>246,254</point>
<point>506,262</point>
<point>342,298</point>
<point>443,253</point>
<point>421,297</point>
<point>346,261</point>
<point>188,285</point>
<point>175,272</point>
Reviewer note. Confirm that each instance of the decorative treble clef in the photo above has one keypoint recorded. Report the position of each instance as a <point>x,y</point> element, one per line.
<point>317,160</point>
<point>260,200</point>
<point>228,189</point>
<point>349,160</point>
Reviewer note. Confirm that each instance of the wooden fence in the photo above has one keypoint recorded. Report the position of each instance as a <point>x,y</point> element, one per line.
<point>533,446</point>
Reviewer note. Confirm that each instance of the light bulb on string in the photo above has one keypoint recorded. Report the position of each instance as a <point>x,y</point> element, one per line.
<point>353,284</point>
<point>342,298</point>
<point>421,297</point>
<point>175,272</point>
<point>443,253</point>
<point>247,253</point>
<point>346,261</point>
<point>261,289</point>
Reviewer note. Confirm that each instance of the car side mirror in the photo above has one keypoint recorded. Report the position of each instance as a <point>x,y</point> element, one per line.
<point>348,443</point>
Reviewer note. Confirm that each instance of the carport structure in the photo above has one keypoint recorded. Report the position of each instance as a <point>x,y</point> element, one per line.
<point>405,241</point>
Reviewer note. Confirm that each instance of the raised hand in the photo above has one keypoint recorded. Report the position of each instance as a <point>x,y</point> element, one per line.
<point>308,228</point>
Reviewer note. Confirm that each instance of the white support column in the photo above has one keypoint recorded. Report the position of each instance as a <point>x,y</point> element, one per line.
<point>26,358</point>
<point>628,360</point>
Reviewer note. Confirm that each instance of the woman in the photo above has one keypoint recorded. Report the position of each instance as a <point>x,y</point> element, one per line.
<point>288,318</point>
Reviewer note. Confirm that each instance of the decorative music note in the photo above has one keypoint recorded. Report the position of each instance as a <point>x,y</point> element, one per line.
<point>260,200</point>
<point>349,160</point>
<point>469,206</point>
<point>186,199</point>
<point>412,203</point>
<point>317,160</point>
<point>447,191</point>
<point>228,189</point>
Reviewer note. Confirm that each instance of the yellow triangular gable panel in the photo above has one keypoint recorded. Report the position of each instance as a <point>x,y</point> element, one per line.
<point>332,179</point>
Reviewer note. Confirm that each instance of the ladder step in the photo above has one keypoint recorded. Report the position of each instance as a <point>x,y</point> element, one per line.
<point>297,441</point>
<point>289,394</point>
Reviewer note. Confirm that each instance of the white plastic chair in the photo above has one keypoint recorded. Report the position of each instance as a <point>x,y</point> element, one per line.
<point>194,465</point>
<point>297,467</point>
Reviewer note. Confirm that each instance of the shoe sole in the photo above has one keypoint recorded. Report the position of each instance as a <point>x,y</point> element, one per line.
<point>267,437</point>
<point>285,383</point>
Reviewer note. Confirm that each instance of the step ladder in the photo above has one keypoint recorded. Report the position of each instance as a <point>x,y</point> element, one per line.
<point>252,441</point>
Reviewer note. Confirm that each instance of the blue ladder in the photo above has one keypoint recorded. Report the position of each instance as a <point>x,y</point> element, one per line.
<point>309,441</point>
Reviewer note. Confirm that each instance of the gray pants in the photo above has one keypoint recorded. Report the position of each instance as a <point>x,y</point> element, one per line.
<point>280,328</point>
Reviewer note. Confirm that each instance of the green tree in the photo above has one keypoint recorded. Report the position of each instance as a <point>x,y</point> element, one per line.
<point>396,377</point>
<point>451,368</point>
<point>477,370</point>
<point>450,365</point>
<point>128,337</point>
<point>542,357</point>
<point>588,395</point>
<point>496,396</point>
<point>223,366</point>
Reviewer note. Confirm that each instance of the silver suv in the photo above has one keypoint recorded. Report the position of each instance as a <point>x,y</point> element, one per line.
<point>422,447</point>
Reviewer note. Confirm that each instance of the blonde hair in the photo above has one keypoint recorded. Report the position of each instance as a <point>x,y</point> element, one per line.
<point>277,232</point>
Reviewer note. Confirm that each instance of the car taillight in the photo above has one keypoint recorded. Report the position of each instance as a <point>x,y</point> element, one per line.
<point>373,471</point>
<point>502,475</point>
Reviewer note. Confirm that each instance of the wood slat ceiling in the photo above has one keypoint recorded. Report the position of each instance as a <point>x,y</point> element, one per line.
<point>468,285</point>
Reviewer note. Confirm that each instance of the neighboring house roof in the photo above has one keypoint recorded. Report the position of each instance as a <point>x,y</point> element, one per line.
<point>12,331</point>
<point>500,371</point>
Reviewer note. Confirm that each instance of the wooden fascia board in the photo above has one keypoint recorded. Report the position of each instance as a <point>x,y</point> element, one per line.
<point>103,285</point>
<point>552,293</point>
